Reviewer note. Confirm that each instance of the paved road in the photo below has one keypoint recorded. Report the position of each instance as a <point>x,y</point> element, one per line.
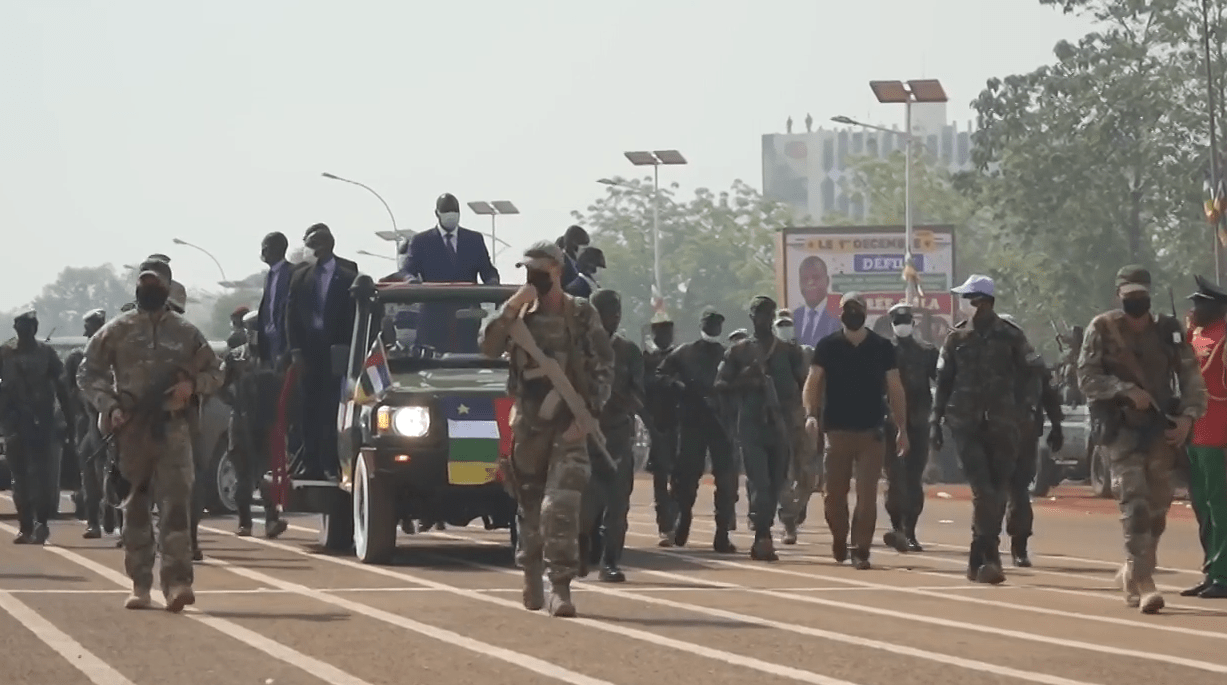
<point>448,611</point>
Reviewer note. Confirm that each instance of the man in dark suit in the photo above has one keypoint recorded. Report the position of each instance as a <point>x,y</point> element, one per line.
<point>449,253</point>
<point>571,242</point>
<point>319,314</point>
<point>812,320</point>
<point>589,260</point>
<point>271,333</point>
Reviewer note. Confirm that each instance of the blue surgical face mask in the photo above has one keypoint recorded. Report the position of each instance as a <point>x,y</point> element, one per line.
<point>449,220</point>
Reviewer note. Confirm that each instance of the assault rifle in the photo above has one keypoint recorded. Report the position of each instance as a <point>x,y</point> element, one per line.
<point>147,411</point>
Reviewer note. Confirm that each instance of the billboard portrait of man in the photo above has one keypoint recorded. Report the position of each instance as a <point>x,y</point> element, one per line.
<point>812,320</point>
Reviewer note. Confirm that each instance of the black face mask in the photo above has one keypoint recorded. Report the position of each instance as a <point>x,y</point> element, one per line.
<point>712,329</point>
<point>854,320</point>
<point>151,298</point>
<point>540,280</point>
<point>1137,307</point>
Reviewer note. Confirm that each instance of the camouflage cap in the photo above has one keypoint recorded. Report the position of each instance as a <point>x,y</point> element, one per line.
<point>852,297</point>
<point>27,314</point>
<point>1132,279</point>
<point>661,318</point>
<point>156,268</point>
<point>95,315</point>
<point>761,302</point>
<point>739,334</point>
<point>542,255</point>
<point>711,316</point>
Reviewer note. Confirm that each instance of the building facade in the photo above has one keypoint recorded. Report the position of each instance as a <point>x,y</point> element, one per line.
<point>811,171</point>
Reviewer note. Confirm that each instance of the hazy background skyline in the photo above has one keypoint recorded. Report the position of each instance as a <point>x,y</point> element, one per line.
<point>128,124</point>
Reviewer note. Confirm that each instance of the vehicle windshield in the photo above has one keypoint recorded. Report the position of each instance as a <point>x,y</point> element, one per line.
<point>433,326</point>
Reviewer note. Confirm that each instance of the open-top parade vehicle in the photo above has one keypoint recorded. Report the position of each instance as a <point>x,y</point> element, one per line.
<point>422,423</point>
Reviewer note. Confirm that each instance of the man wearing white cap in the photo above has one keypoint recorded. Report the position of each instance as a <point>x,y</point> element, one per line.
<point>980,396</point>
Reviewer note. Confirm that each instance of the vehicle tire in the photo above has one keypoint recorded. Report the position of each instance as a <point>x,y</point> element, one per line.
<point>375,517</point>
<point>1045,472</point>
<point>223,481</point>
<point>337,526</point>
<point>1101,478</point>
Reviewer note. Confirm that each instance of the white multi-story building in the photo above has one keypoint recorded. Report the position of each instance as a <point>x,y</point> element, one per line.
<point>809,170</point>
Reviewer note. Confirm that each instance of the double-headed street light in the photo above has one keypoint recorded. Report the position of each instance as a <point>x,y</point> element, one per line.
<point>654,160</point>
<point>893,92</point>
<point>493,209</point>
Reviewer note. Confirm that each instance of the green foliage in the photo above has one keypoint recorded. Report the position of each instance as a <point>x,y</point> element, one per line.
<point>76,291</point>
<point>718,247</point>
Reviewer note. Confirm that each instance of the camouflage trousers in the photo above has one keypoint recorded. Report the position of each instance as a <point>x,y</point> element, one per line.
<point>551,477</point>
<point>805,477</point>
<point>1142,481</point>
<point>608,497</point>
<point>171,473</point>
<point>988,452</point>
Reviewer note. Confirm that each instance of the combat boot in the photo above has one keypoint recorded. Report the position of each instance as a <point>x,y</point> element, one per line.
<point>763,548</point>
<point>839,549</point>
<point>1151,601</point>
<point>666,539</point>
<point>139,599</point>
<point>92,533</point>
<point>1124,576</point>
<point>610,573</point>
<point>534,587</point>
<point>790,534</point>
<point>178,597</point>
<point>681,532</point>
<point>560,603</point>
<point>274,528</point>
<point>41,533</point>
<point>975,559</point>
<point>244,531</point>
<point>722,544</point>
<point>896,539</point>
<point>913,545</point>
<point>991,572</point>
<point>1018,550</point>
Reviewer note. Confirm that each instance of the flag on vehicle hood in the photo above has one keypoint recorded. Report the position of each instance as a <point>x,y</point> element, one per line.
<point>375,376</point>
<point>478,433</point>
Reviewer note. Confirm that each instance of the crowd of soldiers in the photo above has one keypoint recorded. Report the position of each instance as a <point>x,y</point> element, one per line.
<point>793,419</point>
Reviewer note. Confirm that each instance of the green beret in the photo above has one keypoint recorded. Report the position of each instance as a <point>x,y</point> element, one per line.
<point>1133,278</point>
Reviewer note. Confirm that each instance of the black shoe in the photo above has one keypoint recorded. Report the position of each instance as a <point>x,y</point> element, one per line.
<point>23,539</point>
<point>274,528</point>
<point>610,573</point>
<point>722,544</point>
<point>41,533</point>
<point>913,545</point>
<point>1214,590</point>
<point>1018,550</point>
<point>92,533</point>
<point>839,550</point>
<point>1197,589</point>
<point>681,532</point>
<point>860,560</point>
<point>975,559</point>
<point>895,539</point>
<point>197,555</point>
<point>990,573</point>
<point>763,549</point>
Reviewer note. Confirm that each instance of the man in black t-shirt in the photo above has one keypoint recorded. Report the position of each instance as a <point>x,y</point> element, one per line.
<point>851,371</point>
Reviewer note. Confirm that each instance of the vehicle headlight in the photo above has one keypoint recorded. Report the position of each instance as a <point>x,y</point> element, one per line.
<point>410,422</point>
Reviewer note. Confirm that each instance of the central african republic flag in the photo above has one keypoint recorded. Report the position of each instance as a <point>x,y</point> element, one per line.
<point>478,434</point>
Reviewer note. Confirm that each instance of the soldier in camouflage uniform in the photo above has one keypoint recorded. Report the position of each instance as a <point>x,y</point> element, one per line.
<point>250,389</point>
<point>905,493</point>
<point>134,352</point>
<point>31,382</point>
<point>660,414</point>
<point>690,370</point>
<point>765,432</point>
<point>609,494</point>
<point>805,470</point>
<point>549,462</point>
<point>980,396</point>
<point>1040,399</point>
<point>85,433</point>
<point>1128,361</point>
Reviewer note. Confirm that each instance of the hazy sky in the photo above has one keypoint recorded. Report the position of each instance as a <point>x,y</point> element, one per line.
<point>125,124</point>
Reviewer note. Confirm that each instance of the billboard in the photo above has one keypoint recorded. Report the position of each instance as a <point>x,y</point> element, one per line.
<point>816,266</point>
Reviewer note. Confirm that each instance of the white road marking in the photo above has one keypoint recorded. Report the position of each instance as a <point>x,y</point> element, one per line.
<point>970,600</point>
<point>447,637</point>
<point>98,671</point>
<point>326,672</point>
<point>938,657</point>
<point>635,634</point>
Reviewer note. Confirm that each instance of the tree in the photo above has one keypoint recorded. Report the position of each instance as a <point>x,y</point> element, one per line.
<point>76,291</point>
<point>717,250</point>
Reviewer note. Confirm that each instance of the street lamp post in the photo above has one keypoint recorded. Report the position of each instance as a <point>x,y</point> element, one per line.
<point>377,256</point>
<point>654,160</point>
<point>925,90</point>
<point>208,254</point>
<point>493,209</point>
<point>379,197</point>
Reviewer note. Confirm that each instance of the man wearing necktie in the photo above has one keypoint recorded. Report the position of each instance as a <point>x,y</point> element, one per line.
<point>271,322</point>
<point>319,314</point>
<point>812,320</point>
<point>448,253</point>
